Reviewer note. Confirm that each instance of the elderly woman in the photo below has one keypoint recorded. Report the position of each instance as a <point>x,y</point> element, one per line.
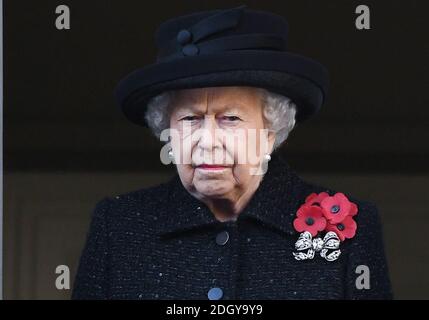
<point>235,222</point>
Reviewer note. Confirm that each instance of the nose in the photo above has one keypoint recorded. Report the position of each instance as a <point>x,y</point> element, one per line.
<point>208,140</point>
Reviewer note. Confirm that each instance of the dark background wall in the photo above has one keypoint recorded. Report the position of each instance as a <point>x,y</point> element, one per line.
<point>67,144</point>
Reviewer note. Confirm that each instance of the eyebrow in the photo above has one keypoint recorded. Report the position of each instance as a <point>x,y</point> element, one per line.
<point>229,107</point>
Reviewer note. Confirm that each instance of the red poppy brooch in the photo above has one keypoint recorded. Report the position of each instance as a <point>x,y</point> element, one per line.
<point>322,213</point>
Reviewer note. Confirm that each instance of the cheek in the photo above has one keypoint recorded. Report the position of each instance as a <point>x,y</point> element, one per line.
<point>186,173</point>
<point>183,147</point>
<point>235,146</point>
<point>258,143</point>
<point>241,174</point>
<point>249,147</point>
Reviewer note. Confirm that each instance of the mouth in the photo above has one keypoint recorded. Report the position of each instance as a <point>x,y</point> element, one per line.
<point>213,167</point>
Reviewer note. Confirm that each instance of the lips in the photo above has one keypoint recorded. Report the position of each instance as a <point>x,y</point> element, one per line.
<point>211,167</point>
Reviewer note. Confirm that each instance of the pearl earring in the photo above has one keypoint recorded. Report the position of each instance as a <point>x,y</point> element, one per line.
<point>267,157</point>
<point>170,154</point>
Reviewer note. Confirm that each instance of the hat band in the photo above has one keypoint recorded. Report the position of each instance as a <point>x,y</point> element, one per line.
<point>257,41</point>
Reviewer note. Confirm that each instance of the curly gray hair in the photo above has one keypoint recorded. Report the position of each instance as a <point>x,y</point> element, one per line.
<point>279,113</point>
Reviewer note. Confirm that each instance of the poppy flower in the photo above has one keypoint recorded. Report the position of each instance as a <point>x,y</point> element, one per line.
<point>353,209</point>
<point>345,229</point>
<point>337,207</point>
<point>316,199</point>
<point>310,218</point>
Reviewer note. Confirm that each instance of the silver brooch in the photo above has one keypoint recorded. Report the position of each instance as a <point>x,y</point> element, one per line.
<point>328,246</point>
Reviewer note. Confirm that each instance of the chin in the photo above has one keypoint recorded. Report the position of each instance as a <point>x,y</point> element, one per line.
<point>213,189</point>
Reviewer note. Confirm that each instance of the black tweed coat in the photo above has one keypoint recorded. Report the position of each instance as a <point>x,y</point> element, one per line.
<point>162,243</point>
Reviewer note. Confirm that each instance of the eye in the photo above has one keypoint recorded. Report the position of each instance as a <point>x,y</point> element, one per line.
<point>189,118</point>
<point>231,118</point>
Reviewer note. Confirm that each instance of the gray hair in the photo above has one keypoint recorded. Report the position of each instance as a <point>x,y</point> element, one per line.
<point>279,113</point>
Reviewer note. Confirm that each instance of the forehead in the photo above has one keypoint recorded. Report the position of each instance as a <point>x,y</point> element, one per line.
<point>217,98</point>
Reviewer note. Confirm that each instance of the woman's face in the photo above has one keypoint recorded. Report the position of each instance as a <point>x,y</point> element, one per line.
<point>217,140</point>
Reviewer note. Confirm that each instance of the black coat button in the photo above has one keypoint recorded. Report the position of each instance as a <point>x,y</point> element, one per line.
<point>184,36</point>
<point>222,238</point>
<point>190,50</point>
<point>215,293</point>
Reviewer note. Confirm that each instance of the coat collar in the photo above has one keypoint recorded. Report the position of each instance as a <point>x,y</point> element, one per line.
<point>274,203</point>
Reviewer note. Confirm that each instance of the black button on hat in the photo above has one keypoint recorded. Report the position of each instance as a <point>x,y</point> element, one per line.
<point>190,50</point>
<point>184,37</point>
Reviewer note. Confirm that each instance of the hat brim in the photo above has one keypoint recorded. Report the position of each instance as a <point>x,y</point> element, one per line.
<point>303,80</point>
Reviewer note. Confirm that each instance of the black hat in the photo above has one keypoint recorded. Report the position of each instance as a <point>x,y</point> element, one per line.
<point>233,47</point>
